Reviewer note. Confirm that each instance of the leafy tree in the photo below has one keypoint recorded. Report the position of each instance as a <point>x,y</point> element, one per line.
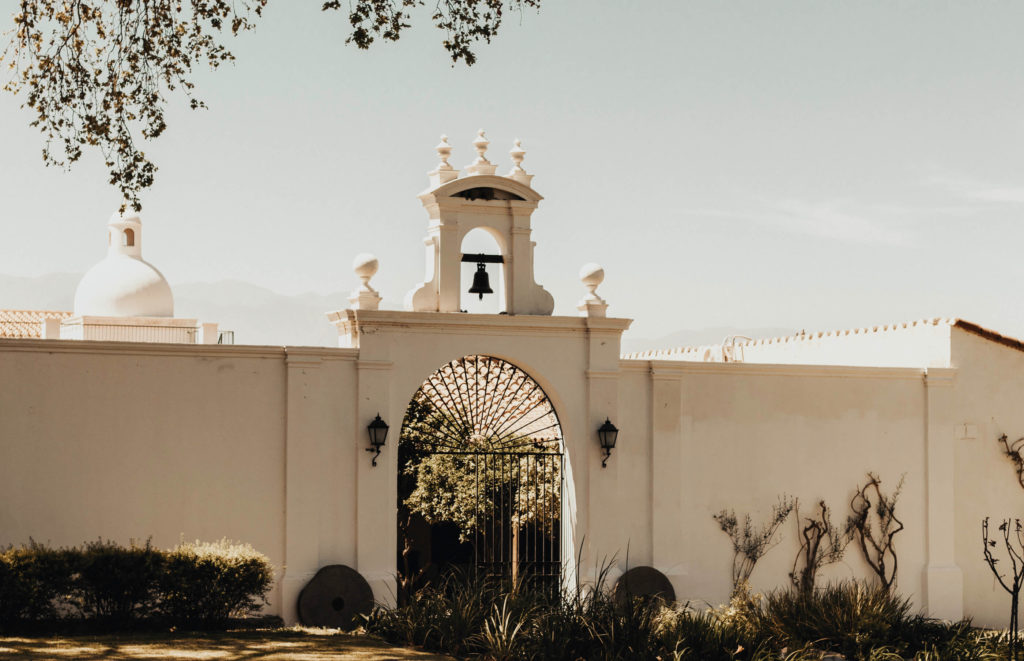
<point>821,543</point>
<point>97,73</point>
<point>478,492</point>
<point>750,543</point>
<point>465,489</point>
<point>1012,532</point>
<point>874,526</point>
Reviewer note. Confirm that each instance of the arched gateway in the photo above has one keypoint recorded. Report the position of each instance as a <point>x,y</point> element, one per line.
<point>487,416</point>
<point>480,477</point>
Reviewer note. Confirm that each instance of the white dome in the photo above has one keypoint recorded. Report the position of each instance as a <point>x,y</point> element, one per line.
<point>124,286</point>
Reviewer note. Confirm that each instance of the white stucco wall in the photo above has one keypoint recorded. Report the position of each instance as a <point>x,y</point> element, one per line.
<point>267,445</point>
<point>124,441</point>
<point>988,401</point>
<point>746,434</point>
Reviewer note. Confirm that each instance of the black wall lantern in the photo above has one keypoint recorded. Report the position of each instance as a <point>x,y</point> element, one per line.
<point>378,430</point>
<point>607,434</point>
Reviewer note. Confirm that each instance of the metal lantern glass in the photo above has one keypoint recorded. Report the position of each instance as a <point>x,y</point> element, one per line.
<point>607,434</point>
<point>378,430</point>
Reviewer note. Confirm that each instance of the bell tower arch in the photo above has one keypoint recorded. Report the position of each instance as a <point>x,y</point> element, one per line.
<point>502,205</point>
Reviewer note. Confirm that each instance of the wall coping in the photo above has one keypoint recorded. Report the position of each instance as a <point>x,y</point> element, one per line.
<point>668,368</point>
<point>167,349</point>
<point>483,323</point>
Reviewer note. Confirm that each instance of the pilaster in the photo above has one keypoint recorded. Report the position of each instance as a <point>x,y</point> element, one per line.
<point>302,477</point>
<point>449,265</point>
<point>943,579</point>
<point>376,486</point>
<point>666,495</point>
<point>603,538</point>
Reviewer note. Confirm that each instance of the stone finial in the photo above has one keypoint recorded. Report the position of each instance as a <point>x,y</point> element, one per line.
<point>481,165</point>
<point>444,172</point>
<point>592,305</point>
<point>517,172</point>
<point>365,297</point>
<point>517,153</point>
<point>444,152</point>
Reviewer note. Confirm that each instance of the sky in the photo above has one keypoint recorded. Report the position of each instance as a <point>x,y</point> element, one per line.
<point>750,163</point>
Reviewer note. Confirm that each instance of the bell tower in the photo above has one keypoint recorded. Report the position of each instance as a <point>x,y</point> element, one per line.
<point>501,205</point>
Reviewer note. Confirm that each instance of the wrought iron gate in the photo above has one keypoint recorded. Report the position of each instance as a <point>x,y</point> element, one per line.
<point>484,445</point>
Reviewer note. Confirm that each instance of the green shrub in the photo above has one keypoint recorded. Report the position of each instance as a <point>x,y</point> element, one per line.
<point>34,582</point>
<point>102,582</point>
<point>205,584</point>
<point>115,583</point>
<point>704,634</point>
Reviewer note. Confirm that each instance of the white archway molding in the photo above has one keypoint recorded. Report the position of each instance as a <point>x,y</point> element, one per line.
<point>575,360</point>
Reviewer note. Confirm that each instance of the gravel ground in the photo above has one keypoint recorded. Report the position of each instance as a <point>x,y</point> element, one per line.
<point>268,644</point>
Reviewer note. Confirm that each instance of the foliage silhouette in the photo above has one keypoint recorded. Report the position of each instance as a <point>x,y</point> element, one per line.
<point>98,74</point>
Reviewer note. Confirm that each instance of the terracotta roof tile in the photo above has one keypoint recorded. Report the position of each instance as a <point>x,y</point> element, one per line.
<point>27,323</point>
<point>654,354</point>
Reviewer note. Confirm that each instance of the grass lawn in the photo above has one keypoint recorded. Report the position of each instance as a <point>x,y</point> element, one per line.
<point>263,644</point>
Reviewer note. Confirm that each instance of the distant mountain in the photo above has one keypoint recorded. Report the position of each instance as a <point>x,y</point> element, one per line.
<point>262,316</point>
<point>698,337</point>
<point>55,291</point>
<point>257,315</point>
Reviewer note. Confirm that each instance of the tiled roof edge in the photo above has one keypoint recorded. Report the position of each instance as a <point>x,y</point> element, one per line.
<point>652,354</point>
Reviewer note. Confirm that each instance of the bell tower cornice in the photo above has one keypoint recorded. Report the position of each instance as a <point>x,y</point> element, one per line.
<point>503,206</point>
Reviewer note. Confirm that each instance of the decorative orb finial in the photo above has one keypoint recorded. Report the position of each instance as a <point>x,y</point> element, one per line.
<point>365,266</point>
<point>592,275</point>
<point>444,152</point>
<point>592,305</point>
<point>481,143</point>
<point>517,153</point>
<point>365,297</point>
<point>517,172</point>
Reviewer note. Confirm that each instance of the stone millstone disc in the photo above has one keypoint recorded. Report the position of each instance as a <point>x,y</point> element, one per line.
<point>335,598</point>
<point>643,582</point>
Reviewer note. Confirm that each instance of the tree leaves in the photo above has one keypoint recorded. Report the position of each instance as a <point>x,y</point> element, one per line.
<point>97,73</point>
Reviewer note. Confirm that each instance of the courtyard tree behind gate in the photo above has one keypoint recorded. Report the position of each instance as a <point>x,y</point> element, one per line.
<point>480,450</point>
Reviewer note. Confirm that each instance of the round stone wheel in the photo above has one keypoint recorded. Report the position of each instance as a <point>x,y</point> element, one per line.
<point>335,598</point>
<point>644,582</point>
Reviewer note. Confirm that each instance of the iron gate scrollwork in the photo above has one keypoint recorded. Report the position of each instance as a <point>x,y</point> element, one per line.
<point>481,449</point>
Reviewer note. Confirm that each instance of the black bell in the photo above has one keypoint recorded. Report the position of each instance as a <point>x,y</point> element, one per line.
<point>481,283</point>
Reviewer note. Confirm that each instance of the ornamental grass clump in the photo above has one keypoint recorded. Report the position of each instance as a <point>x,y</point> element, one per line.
<point>206,583</point>
<point>476,618</point>
<point>865,621</point>
<point>691,635</point>
<point>848,618</point>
